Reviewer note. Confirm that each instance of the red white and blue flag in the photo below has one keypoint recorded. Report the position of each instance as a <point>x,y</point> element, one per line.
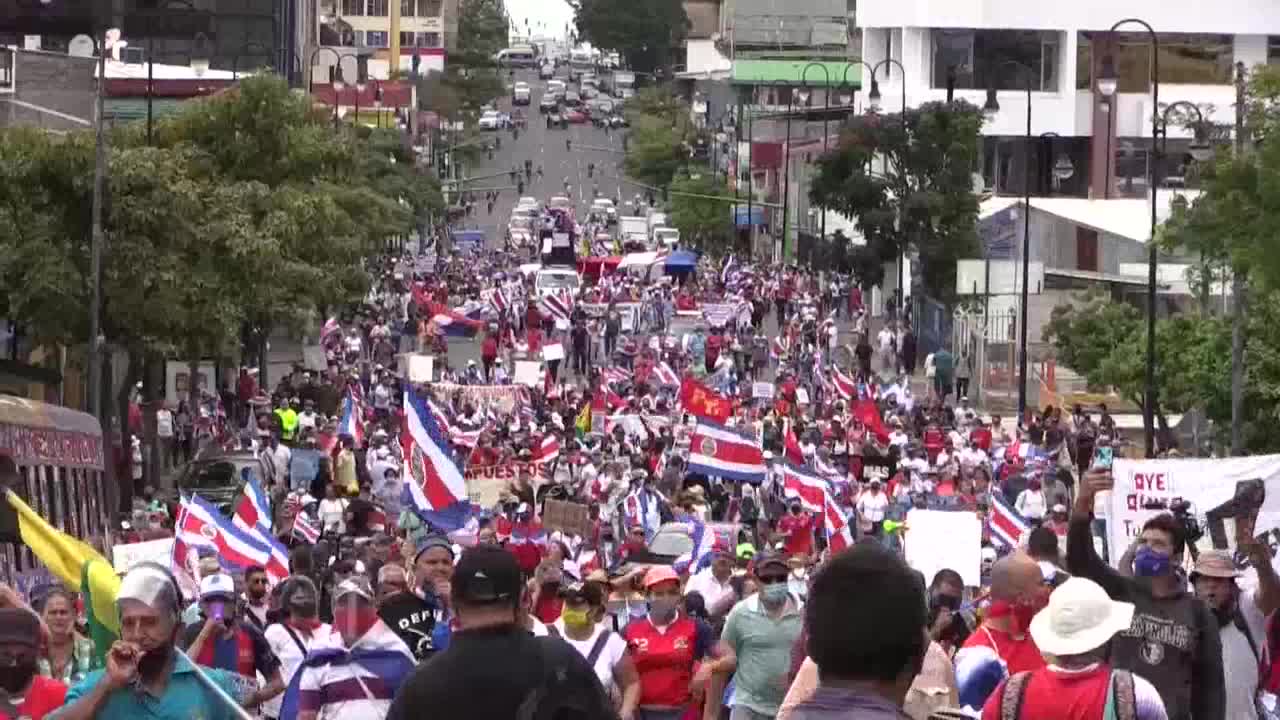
<point>615,375</point>
<point>496,299</point>
<point>236,548</point>
<point>433,479</point>
<point>665,376</point>
<point>800,483</point>
<point>699,557</point>
<point>1006,525</point>
<point>715,450</point>
<point>453,323</point>
<point>304,529</point>
<point>330,329</point>
<point>548,450</point>
<point>351,422</point>
<point>253,516</point>
<point>846,386</point>
<point>839,534</point>
<point>557,305</point>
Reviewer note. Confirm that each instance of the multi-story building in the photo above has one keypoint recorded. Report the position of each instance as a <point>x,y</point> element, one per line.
<point>427,28</point>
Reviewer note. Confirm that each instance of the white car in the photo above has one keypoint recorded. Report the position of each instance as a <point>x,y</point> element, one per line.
<point>492,120</point>
<point>527,201</point>
<point>547,71</point>
<point>552,280</point>
<point>605,206</point>
<point>560,201</point>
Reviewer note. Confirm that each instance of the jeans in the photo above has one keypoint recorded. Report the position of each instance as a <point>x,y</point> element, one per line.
<point>742,712</point>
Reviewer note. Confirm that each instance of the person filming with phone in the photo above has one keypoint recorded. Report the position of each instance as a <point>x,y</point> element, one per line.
<point>1173,640</point>
<point>222,641</point>
<point>144,676</point>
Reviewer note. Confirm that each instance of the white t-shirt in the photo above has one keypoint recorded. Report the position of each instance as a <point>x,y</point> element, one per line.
<point>886,339</point>
<point>614,648</point>
<point>382,397</point>
<point>291,656</point>
<point>1030,504</point>
<point>872,507</point>
<point>164,423</point>
<point>1239,664</point>
<point>331,514</point>
<point>704,582</point>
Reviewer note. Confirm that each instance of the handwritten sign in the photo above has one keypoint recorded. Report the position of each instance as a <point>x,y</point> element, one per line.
<point>762,390</point>
<point>485,483</point>
<point>528,373</point>
<point>568,517</point>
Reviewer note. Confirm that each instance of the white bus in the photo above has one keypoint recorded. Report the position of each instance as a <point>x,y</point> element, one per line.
<point>521,56</point>
<point>581,61</point>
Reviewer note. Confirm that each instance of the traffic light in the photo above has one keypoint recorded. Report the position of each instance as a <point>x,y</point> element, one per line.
<point>53,17</point>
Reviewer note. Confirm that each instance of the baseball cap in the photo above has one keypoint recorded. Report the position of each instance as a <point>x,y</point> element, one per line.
<point>357,585</point>
<point>487,574</point>
<point>1215,564</point>
<point>660,574</point>
<point>768,558</point>
<point>217,585</point>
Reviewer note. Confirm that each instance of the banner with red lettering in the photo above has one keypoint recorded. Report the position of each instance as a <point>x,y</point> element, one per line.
<point>485,483</point>
<point>1216,490</point>
<point>700,400</point>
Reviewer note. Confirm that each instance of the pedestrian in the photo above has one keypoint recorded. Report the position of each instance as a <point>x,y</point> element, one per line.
<point>1002,640</point>
<point>27,693</point>
<point>1175,641</point>
<point>296,633</point>
<point>666,646</point>
<point>495,668</point>
<point>220,640</point>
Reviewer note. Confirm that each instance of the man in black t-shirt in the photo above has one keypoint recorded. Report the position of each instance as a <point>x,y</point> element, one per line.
<point>493,667</point>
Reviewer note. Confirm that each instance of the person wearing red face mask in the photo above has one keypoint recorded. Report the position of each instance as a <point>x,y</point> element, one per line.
<point>298,632</point>
<point>359,679</point>
<point>1018,592</point>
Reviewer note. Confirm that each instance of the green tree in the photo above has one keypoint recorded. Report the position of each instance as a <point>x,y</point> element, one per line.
<point>703,222</point>
<point>646,34</point>
<point>656,150</point>
<point>482,32</point>
<point>883,174</point>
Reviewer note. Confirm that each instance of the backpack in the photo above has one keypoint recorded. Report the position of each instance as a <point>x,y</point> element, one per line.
<point>558,697</point>
<point>1120,704</point>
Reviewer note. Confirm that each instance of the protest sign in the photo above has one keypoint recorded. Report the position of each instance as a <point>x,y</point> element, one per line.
<point>553,351</point>
<point>124,557</point>
<point>1214,490</point>
<point>567,517</point>
<point>500,397</point>
<point>762,390</point>
<point>528,373</point>
<point>937,539</point>
<point>304,465</point>
<point>419,368</point>
<point>485,483</point>
<point>313,358</point>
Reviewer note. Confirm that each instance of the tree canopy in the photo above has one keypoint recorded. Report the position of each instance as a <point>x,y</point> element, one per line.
<point>883,172</point>
<point>703,222</point>
<point>471,76</point>
<point>646,34</point>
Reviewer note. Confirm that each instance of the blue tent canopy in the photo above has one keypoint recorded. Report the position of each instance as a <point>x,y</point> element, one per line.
<point>681,261</point>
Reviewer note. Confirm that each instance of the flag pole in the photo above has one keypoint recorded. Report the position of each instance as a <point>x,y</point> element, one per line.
<point>221,694</point>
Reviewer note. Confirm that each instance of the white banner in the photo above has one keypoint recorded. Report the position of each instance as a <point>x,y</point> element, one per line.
<point>1144,488</point>
<point>124,557</point>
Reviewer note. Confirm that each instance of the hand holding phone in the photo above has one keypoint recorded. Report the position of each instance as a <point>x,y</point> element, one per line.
<point>1103,457</point>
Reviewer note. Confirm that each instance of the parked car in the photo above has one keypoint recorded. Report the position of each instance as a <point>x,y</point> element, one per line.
<point>521,94</point>
<point>556,118</point>
<point>575,116</point>
<point>218,477</point>
<point>493,120</point>
<point>572,99</point>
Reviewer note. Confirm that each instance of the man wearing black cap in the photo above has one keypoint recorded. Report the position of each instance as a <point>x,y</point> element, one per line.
<point>494,668</point>
<point>25,694</point>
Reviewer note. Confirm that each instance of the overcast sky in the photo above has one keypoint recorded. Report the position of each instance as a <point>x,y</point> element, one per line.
<point>546,17</point>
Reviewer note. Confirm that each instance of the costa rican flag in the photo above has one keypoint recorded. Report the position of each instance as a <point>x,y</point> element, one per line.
<point>715,450</point>
<point>304,529</point>
<point>185,562</point>
<point>704,543</point>
<point>497,300</point>
<point>442,418</point>
<point>549,449</point>
<point>452,323</point>
<point>330,329</point>
<point>727,271</point>
<point>839,534</point>
<point>846,387</point>
<point>465,438</point>
<point>252,511</point>
<point>557,305</point>
<point>530,532</point>
<point>811,490</point>
<point>351,422</point>
<point>615,375</point>
<point>434,479</point>
<point>236,548</point>
<point>665,376</point>
<point>1006,525</point>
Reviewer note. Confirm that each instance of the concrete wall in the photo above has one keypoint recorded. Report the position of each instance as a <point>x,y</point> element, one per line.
<point>53,91</point>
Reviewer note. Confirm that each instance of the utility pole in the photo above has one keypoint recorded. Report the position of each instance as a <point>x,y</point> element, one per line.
<point>97,239</point>
<point>1239,288</point>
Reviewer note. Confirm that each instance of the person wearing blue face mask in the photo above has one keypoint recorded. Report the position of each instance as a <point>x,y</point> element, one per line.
<point>1173,640</point>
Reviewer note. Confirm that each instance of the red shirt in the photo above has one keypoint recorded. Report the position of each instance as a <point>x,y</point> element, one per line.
<point>1019,655</point>
<point>664,660</point>
<point>45,696</point>
<point>799,533</point>
<point>489,348</point>
<point>1059,695</point>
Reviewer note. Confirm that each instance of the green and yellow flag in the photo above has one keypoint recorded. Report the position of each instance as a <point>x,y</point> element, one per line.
<point>583,423</point>
<point>78,566</point>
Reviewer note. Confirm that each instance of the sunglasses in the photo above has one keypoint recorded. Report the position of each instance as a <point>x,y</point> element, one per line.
<point>772,579</point>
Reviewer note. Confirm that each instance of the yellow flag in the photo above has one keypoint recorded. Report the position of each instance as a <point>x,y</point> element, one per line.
<point>72,561</point>
<point>583,423</point>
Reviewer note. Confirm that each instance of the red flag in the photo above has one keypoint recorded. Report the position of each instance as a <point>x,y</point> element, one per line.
<point>702,401</point>
<point>792,447</point>
<point>866,413</point>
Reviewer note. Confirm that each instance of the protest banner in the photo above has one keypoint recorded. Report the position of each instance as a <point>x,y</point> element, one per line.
<point>1215,491</point>
<point>937,539</point>
<point>124,557</point>
<point>485,483</point>
<point>568,517</point>
<point>500,397</point>
<point>528,373</point>
<point>702,401</point>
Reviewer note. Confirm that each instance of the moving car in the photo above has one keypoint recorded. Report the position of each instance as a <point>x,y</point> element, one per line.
<point>493,120</point>
<point>547,103</point>
<point>521,95</point>
<point>555,87</point>
<point>547,71</point>
<point>575,116</point>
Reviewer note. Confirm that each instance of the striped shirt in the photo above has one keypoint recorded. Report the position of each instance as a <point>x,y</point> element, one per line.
<point>349,691</point>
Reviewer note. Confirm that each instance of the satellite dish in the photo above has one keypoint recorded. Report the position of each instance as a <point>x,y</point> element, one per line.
<point>80,46</point>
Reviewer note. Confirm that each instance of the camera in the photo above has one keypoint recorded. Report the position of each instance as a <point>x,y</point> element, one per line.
<point>1180,508</point>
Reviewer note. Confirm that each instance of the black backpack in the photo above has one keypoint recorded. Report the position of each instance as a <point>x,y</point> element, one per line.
<point>560,696</point>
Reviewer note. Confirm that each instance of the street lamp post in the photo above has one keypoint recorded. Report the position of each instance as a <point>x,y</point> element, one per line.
<point>1108,82</point>
<point>335,74</point>
<point>786,172</point>
<point>235,61</point>
<point>991,107</point>
<point>826,113</point>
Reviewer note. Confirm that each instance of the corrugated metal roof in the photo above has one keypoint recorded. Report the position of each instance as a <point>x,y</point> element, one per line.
<point>755,72</point>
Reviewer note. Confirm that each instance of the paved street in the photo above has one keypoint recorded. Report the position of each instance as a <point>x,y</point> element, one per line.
<point>546,149</point>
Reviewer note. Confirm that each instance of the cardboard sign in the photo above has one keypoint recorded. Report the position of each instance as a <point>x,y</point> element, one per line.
<point>421,368</point>
<point>567,517</point>
<point>124,557</point>
<point>937,539</point>
<point>553,351</point>
<point>762,390</point>
<point>528,373</point>
<point>485,483</point>
<point>802,396</point>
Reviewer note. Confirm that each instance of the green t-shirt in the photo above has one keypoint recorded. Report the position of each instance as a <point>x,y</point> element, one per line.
<point>763,648</point>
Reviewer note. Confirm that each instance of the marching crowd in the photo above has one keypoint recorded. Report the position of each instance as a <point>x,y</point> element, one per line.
<point>701,516</point>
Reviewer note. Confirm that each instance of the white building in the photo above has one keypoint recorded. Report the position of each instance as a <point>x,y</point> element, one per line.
<point>1064,45</point>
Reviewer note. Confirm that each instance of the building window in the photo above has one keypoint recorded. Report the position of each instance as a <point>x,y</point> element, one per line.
<point>408,8</point>
<point>1185,59</point>
<point>353,7</point>
<point>376,38</point>
<point>6,69</point>
<point>977,57</point>
<point>407,39</point>
<point>429,40</point>
<point>430,8</point>
<point>1273,50</point>
<point>377,8</point>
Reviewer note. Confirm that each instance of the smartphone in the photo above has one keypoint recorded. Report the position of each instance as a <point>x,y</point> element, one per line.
<point>216,611</point>
<point>1103,457</point>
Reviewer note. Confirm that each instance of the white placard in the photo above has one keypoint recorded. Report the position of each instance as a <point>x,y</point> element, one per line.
<point>421,368</point>
<point>124,557</point>
<point>938,539</point>
<point>802,396</point>
<point>554,351</point>
<point>528,373</point>
<point>313,358</point>
<point>762,390</point>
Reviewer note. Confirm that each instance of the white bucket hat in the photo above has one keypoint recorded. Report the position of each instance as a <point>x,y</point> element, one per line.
<point>1080,617</point>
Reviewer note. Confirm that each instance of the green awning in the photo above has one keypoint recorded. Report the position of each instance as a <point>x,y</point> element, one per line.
<point>126,109</point>
<point>762,72</point>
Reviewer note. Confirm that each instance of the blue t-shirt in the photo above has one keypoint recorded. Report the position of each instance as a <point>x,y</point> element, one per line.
<point>185,697</point>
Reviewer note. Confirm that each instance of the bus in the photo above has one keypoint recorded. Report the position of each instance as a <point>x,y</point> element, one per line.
<point>580,61</point>
<point>521,56</point>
